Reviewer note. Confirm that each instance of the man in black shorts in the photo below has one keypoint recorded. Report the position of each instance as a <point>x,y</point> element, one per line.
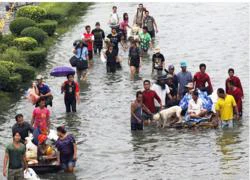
<point>134,59</point>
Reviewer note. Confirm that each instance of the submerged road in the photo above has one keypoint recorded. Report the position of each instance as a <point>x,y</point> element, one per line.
<point>214,33</point>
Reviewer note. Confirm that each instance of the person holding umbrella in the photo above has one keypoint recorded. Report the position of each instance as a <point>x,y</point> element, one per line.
<point>70,88</point>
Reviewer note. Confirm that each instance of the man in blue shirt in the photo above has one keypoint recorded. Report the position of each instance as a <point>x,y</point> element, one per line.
<point>184,77</point>
<point>43,90</point>
<point>81,52</point>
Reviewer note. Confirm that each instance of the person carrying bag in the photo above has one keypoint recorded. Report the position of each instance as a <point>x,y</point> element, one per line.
<point>81,61</point>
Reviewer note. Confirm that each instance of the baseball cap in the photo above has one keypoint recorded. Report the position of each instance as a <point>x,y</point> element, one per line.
<point>183,64</point>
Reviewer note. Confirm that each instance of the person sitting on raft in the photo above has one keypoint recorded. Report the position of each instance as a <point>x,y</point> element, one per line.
<point>43,91</point>
<point>45,152</point>
<point>195,106</point>
<point>207,101</point>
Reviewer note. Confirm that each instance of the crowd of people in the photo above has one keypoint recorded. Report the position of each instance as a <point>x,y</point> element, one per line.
<point>191,93</point>
<point>170,89</point>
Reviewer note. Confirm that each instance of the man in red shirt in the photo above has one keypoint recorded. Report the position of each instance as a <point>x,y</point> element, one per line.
<point>201,78</point>
<point>149,96</point>
<point>234,79</point>
<point>88,37</point>
<point>237,94</point>
<point>71,93</point>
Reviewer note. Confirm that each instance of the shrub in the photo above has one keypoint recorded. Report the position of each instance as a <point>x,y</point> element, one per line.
<point>4,77</point>
<point>18,24</point>
<point>26,71</point>
<point>36,33</point>
<point>25,43</point>
<point>57,11</point>
<point>35,13</point>
<point>14,82</point>
<point>8,39</point>
<point>3,47</point>
<point>8,65</point>
<point>48,26</point>
<point>55,15</point>
<point>1,36</point>
<point>36,57</point>
<point>12,54</point>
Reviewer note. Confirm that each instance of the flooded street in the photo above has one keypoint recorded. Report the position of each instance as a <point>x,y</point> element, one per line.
<point>214,33</point>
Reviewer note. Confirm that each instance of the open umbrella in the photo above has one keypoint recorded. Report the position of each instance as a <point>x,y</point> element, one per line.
<point>62,71</point>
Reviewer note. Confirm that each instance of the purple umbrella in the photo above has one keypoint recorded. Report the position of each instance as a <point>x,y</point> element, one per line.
<point>62,71</point>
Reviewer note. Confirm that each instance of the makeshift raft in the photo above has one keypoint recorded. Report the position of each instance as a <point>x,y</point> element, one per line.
<point>45,168</point>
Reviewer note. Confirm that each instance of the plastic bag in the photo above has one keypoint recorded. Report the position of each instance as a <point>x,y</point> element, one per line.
<point>30,175</point>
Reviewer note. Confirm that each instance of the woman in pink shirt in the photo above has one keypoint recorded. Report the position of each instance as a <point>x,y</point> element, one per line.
<point>124,25</point>
<point>40,117</point>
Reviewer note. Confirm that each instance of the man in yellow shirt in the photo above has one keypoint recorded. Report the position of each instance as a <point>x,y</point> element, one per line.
<point>225,108</point>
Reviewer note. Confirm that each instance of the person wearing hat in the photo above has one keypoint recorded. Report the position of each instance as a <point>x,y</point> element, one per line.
<point>81,52</point>
<point>184,77</point>
<point>99,36</point>
<point>170,71</point>
<point>45,152</point>
<point>158,61</point>
<point>189,88</point>
<point>42,90</point>
<point>162,90</point>
<point>173,92</point>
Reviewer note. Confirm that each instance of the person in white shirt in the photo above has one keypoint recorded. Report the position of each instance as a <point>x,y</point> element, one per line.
<point>195,108</point>
<point>162,90</point>
<point>114,19</point>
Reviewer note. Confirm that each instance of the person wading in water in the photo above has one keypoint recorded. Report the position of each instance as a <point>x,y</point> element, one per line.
<point>15,157</point>
<point>138,19</point>
<point>137,108</point>
<point>134,60</point>
<point>71,91</point>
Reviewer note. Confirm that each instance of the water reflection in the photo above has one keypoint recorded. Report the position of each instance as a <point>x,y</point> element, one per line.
<point>230,154</point>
